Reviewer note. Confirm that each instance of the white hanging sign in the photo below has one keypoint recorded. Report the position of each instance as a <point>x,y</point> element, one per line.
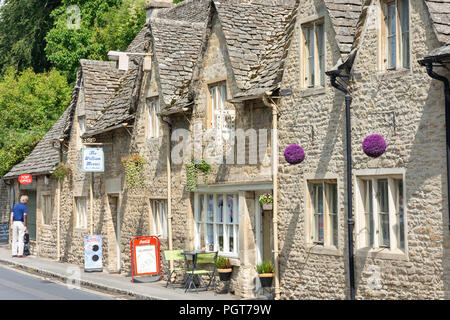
<point>93,160</point>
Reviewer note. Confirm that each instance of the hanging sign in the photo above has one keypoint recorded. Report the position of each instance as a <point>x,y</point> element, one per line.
<point>93,160</point>
<point>26,179</point>
<point>145,257</point>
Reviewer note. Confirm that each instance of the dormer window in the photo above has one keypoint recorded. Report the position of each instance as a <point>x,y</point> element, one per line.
<point>217,98</point>
<point>395,34</point>
<point>313,65</point>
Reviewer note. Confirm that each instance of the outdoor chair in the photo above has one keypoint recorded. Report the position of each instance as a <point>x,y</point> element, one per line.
<point>200,268</point>
<point>172,255</point>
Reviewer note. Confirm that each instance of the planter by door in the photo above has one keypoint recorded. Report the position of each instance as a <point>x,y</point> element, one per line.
<point>225,274</point>
<point>266,279</point>
<point>267,206</point>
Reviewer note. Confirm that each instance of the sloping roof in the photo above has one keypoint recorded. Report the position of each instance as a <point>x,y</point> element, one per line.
<point>44,158</point>
<point>344,16</point>
<point>177,47</point>
<point>99,79</point>
<point>256,34</point>
<point>440,15</point>
<point>120,105</point>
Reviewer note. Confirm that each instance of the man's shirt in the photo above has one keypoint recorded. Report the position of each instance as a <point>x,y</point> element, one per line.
<point>19,211</point>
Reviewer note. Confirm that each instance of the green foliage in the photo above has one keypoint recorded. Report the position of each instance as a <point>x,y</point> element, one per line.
<point>223,263</point>
<point>30,104</point>
<point>104,25</point>
<point>177,1</point>
<point>265,267</point>
<point>193,169</point>
<point>23,26</point>
<point>265,198</point>
<point>61,171</point>
<point>133,171</point>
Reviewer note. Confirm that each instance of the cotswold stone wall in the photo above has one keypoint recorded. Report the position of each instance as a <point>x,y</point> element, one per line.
<point>315,119</point>
<point>4,202</point>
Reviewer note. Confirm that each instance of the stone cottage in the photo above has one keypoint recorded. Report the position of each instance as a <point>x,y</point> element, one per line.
<point>400,208</point>
<point>231,84</point>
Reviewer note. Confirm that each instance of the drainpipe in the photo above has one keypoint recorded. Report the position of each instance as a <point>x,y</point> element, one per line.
<point>169,187</point>
<point>275,188</point>
<point>429,65</point>
<point>350,221</point>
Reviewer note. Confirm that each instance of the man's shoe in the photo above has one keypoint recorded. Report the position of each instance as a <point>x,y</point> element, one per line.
<point>14,256</point>
<point>22,256</point>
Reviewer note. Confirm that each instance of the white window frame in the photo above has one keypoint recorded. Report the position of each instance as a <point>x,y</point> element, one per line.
<point>153,121</point>
<point>160,222</point>
<point>81,207</point>
<point>217,96</point>
<point>363,218</point>
<point>401,34</point>
<point>312,56</point>
<point>225,225</point>
<point>46,209</point>
<point>330,230</point>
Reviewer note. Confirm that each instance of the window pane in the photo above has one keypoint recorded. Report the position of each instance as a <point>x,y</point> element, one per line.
<point>333,213</point>
<point>404,20</point>
<point>311,56</point>
<point>210,213</point>
<point>230,238</point>
<point>230,208</point>
<point>400,214</point>
<point>383,207</point>
<point>321,53</point>
<point>202,207</point>
<point>391,32</point>
<point>317,199</point>
<point>201,229</point>
<point>219,209</point>
<point>220,237</point>
<point>210,237</point>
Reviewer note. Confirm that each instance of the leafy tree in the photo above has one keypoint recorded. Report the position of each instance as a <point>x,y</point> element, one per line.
<point>30,104</point>
<point>104,25</point>
<point>23,26</point>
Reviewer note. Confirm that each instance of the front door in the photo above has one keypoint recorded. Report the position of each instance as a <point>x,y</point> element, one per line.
<point>31,216</point>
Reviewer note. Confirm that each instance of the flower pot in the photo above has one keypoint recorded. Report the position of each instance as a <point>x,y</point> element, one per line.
<point>225,274</point>
<point>266,279</point>
<point>267,206</point>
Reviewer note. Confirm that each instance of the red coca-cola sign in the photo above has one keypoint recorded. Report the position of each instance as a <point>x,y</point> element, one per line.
<point>25,179</point>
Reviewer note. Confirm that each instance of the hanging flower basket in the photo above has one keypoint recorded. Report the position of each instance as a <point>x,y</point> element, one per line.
<point>61,171</point>
<point>294,154</point>
<point>374,145</point>
<point>266,201</point>
<point>266,279</point>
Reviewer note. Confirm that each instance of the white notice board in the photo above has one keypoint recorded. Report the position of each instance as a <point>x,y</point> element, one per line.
<point>146,259</point>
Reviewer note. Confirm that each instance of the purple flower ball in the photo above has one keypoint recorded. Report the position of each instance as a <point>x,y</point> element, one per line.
<point>294,154</point>
<point>374,145</point>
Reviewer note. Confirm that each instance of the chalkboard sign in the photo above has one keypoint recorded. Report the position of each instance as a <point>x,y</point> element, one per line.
<point>4,232</point>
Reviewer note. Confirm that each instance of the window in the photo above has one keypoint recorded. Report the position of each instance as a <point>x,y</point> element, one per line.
<point>153,119</point>
<point>381,217</point>
<point>323,212</point>
<point>217,98</point>
<point>81,212</point>
<point>46,209</point>
<point>395,34</point>
<point>217,222</point>
<point>314,54</point>
<point>160,219</point>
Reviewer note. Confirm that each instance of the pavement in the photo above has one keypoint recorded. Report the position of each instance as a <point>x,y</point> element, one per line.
<point>104,281</point>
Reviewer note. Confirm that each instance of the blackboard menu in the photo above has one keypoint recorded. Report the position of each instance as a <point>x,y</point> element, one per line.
<point>4,232</point>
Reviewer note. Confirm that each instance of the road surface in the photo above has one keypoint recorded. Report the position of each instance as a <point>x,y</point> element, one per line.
<point>18,285</point>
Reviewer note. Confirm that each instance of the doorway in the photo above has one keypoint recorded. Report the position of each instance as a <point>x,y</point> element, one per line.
<point>113,201</point>
<point>31,216</point>
<point>264,231</point>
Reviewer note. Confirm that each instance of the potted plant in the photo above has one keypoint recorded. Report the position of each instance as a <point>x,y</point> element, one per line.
<point>224,268</point>
<point>265,273</point>
<point>193,169</point>
<point>61,171</point>
<point>133,170</point>
<point>266,201</point>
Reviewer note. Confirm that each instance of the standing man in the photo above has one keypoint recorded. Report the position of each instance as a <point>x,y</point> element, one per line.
<point>19,226</point>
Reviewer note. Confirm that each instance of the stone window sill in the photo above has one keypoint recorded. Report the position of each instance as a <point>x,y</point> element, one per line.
<point>307,92</point>
<point>325,250</point>
<point>382,253</point>
<point>393,74</point>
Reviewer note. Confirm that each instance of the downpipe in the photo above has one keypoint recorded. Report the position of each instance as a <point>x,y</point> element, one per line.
<point>350,221</point>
